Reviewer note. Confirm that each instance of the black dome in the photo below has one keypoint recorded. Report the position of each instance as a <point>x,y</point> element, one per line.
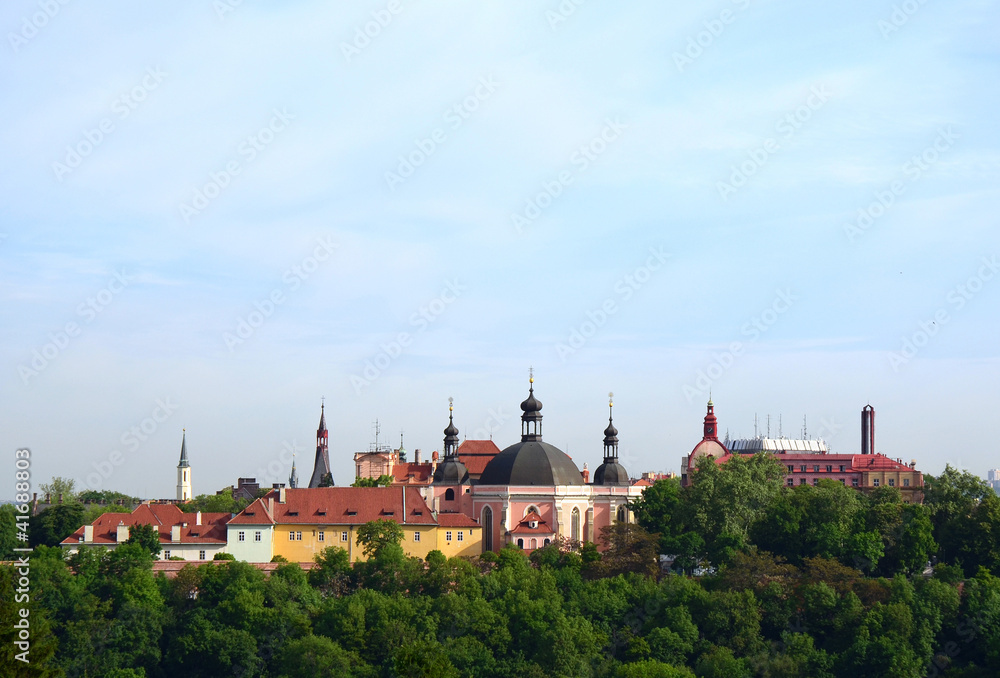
<point>451,471</point>
<point>611,473</point>
<point>531,462</point>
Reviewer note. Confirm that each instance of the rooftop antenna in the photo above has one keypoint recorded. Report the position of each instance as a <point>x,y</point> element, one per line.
<point>377,428</point>
<point>769,426</point>
<point>805,433</point>
<point>755,433</point>
<point>781,433</point>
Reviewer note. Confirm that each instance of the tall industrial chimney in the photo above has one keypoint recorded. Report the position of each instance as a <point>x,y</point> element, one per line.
<point>868,430</point>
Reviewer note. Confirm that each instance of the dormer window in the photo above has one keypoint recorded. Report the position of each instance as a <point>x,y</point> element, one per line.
<point>293,513</point>
<point>352,512</point>
<point>533,524</point>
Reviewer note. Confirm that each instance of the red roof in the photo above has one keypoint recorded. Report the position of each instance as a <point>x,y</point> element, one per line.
<point>170,568</point>
<point>349,506</point>
<point>254,514</point>
<point>524,527</point>
<point>412,473</point>
<point>476,454</point>
<point>161,516</point>
<point>456,520</point>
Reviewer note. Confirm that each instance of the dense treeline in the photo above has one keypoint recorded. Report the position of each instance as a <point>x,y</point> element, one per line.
<point>822,602</point>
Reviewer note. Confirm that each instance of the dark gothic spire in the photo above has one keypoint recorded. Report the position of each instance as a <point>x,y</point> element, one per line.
<point>184,451</point>
<point>321,466</point>
<point>293,479</point>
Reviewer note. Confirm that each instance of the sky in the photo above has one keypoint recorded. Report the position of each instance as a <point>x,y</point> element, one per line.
<point>215,215</point>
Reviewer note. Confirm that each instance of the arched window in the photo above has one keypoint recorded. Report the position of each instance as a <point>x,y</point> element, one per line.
<point>547,541</point>
<point>622,514</point>
<point>487,529</point>
<point>575,525</point>
<point>534,543</point>
<point>449,494</point>
<point>520,543</point>
<point>532,509</point>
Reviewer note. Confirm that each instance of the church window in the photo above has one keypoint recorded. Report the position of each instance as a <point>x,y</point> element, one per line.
<point>547,541</point>
<point>449,494</point>
<point>533,543</point>
<point>487,529</point>
<point>620,516</point>
<point>575,524</point>
<point>520,543</point>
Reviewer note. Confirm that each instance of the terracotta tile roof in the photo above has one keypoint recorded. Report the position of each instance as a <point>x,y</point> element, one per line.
<point>254,514</point>
<point>412,473</point>
<point>524,527</point>
<point>161,516</point>
<point>853,463</point>
<point>476,454</point>
<point>350,506</point>
<point>456,520</point>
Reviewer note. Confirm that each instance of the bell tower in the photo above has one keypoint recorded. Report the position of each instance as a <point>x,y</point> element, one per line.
<point>184,472</point>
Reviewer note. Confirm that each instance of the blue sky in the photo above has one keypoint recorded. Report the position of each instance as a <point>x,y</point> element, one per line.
<point>792,205</point>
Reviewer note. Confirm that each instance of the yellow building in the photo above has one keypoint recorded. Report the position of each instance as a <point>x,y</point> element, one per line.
<point>308,520</point>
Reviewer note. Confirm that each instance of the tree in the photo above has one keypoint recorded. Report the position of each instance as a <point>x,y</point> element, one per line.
<point>222,502</point>
<point>145,536</point>
<point>59,485</point>
<point>312,656</point>
<point>628,548</point>
<point>374,536</point>
<point>326,480</point>
<point>55,523</point>
<point>381,481</point>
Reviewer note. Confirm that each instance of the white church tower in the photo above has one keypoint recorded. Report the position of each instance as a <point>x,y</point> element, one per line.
<point>184,472</point>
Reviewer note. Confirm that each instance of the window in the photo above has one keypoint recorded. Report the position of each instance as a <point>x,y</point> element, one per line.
<point>520,543</point>
<point>620,515</point>
<point>791,469</point>
<point>201,555</point>
<point>487,528</point>
<point>166,555</point>
<point>447,535</point>
<point>815,468</point>
<point>575,523</point>
<point>892,482</point>
<point>815,482</point>
<point>843,482</point>
<point>460,535</point>
<point>291,536</point>
<point>449,494</point>
<point>906,482</point>
<point>321,536</point>
<point>533,543</point>
<point>256,536</point>
<point>854,482</point>
<point>242,535</point>
<point>298,536</point>
<point>790,481</point>
<point>802,468</point>
<point>829,468</point>
<point>416,536</point>
<point>802,481</point>
<point>875,483</point>
<point>547,541</point>
<point>841,468</point>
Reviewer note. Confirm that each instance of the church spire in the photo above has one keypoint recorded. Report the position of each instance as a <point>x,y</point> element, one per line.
<point>321,467</point>
<point>184,472</point>
<point>293,478</point>
<point>531,419</point>
<point>451,432</point>
<point>610,435</point>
